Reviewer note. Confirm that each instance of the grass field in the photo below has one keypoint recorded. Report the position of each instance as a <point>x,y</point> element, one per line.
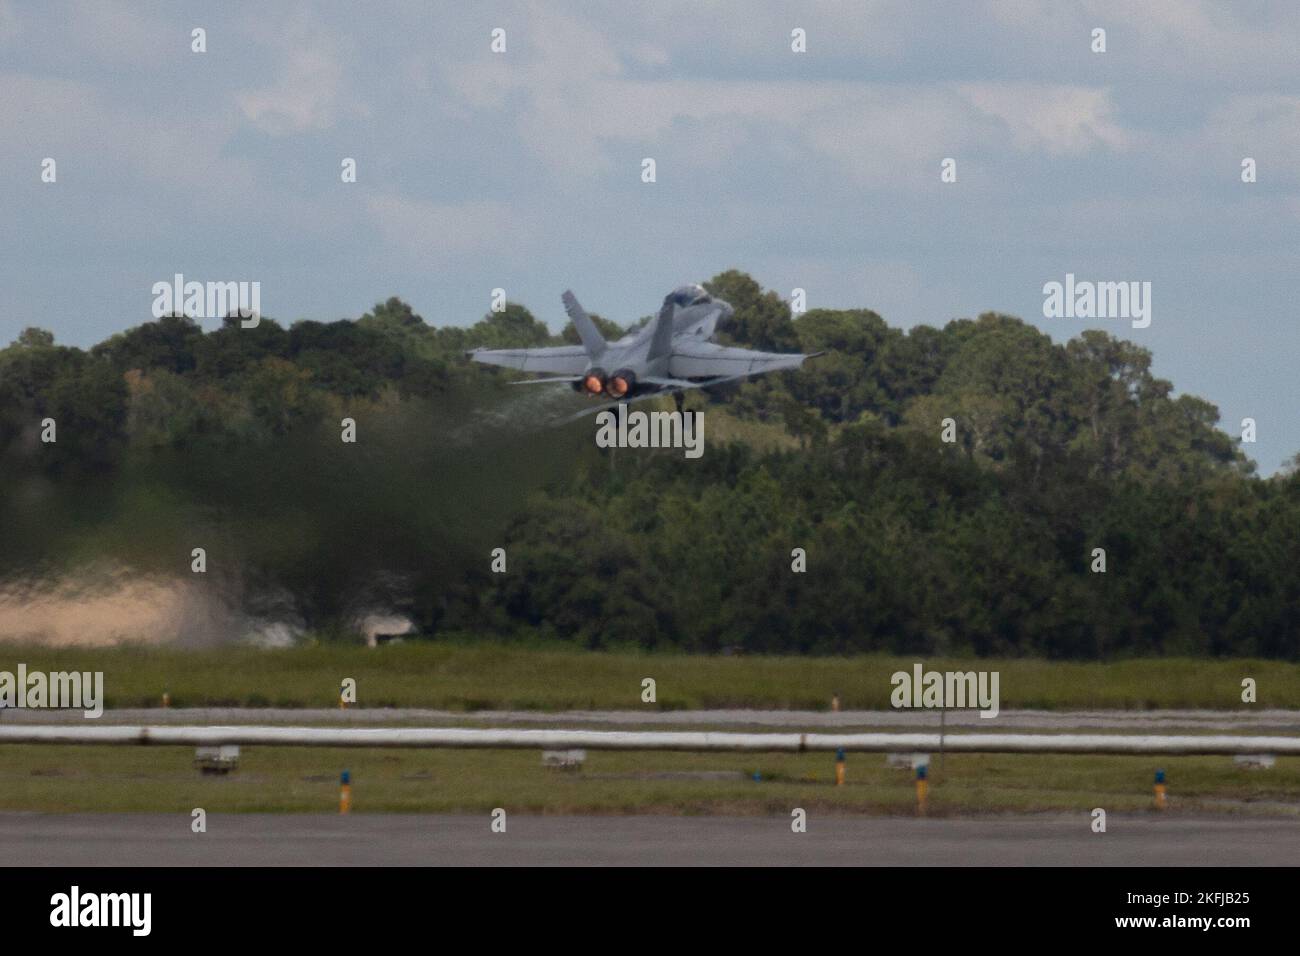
<point>463,676</point>
<point>162,779</point>
<point>470,677</point>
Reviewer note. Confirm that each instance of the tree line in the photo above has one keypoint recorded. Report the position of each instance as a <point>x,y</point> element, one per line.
<point>170,437</point>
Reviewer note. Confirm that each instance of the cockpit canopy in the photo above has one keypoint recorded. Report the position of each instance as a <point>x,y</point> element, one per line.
<point>690,295</point>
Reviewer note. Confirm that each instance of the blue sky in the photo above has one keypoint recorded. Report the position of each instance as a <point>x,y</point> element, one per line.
<point>522,170</point>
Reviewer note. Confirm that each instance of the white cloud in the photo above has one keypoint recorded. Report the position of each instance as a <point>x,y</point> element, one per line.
<point>869,31</point>
<point>122,34</point>
<point>1259,124</point>
<point>1200,41</point>
<point>10,25</point>
<point>871,130</point>
<point>1216,39</point>
<point>1057,120</point>
<point>578,105</point>
<point>437,232</point>
<point>92,137</point>
<point>310,93</point>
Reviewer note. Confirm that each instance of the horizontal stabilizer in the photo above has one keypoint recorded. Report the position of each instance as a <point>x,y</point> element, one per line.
<point>558,360</point>
<point>709,360</point>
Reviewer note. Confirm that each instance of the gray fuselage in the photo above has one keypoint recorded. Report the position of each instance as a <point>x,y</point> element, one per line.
<point>645,356</point>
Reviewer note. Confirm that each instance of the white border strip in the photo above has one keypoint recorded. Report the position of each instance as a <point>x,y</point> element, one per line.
<point>517,739</point>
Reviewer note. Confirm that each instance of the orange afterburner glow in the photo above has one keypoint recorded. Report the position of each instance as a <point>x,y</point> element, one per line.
<point>593,384</point>
<point>621,384</point>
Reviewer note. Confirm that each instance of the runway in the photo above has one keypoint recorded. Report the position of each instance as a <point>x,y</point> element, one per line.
<point>28,839</point>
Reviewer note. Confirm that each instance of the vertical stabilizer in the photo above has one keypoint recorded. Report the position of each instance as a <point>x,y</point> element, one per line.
<point>661,340</point>
<point>592,341</point>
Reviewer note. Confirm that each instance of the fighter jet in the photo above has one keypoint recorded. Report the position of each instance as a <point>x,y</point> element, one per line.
<point>669,354</point>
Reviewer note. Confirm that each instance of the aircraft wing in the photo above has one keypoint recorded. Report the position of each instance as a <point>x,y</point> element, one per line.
<point>560,360</point>
<point>710,360</point>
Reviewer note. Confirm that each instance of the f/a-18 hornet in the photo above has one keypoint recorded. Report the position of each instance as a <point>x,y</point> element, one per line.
<point>669,354</point>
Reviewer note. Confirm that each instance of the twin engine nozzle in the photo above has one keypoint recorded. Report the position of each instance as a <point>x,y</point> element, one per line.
<point>619,385</point>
